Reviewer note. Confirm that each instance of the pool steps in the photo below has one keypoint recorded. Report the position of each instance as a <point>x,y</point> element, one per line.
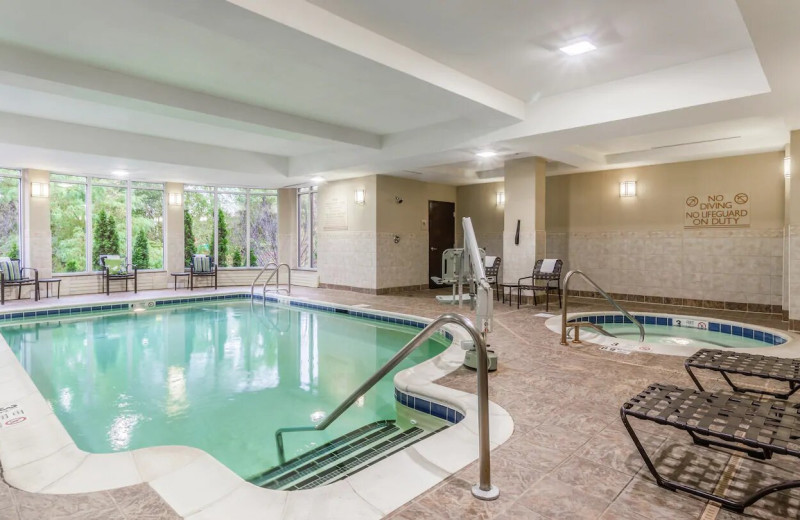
<point>340,457</point>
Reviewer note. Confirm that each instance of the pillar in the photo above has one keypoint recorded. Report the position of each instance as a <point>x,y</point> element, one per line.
<point>37,248</point>
<point>287,226</point>
<point>175,261</point>
<point>792,288</point>
<point>525,203</point>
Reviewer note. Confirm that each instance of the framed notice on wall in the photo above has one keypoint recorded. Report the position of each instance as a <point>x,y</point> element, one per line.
<point>334,214</point>
<point>718,210</point>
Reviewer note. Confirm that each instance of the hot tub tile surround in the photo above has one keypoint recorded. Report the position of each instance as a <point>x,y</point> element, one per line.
<point>51,463</point>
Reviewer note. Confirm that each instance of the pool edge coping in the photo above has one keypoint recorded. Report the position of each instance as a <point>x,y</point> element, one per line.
<point>196,485</point>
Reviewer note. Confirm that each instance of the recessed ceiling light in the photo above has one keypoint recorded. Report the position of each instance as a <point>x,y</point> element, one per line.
<point>486,154</point>
<point>120,173</point>
<point>578,47</point>
<point>317,180</point>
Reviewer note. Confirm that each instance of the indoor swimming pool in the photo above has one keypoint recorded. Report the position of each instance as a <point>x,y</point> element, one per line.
<point>219,376</point>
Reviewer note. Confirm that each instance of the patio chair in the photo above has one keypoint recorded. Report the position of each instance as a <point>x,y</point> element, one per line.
<point>492,272</point>
<point>12,274</point>
<point>546,277</point>
<point>202,266</point>
<point>115,268</point>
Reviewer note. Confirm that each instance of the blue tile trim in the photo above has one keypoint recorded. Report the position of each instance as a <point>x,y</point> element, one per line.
<point>428,407</point>
<point>713,326</point>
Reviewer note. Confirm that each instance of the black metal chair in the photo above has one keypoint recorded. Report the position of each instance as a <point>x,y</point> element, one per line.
<point>202,266</point>
<point>12,274</point>
<point>492,273</point>
<point>115,268</point>
<point>543,280</point>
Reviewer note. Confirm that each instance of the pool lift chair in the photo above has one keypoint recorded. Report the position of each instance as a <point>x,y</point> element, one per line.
<point>456,274</point>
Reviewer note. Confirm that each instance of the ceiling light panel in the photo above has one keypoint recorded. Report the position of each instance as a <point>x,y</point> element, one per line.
<point>579,47</point>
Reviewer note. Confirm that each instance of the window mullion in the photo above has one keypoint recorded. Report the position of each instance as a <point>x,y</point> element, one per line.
<point>88,225</point>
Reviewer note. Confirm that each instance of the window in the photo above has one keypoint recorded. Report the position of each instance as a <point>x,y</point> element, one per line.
<point>9,213</point>
<point>237,226</point>
<point>307,227</point>
<point>68,223</point>
<point>117,217</point>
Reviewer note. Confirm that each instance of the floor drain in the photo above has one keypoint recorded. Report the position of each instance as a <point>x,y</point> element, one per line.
<point>712,508</point>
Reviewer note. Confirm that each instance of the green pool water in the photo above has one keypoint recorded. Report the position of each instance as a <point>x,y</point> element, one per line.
<point>221,377</point>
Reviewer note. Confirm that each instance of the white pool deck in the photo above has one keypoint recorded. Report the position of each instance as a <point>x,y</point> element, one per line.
<point>38,455</point>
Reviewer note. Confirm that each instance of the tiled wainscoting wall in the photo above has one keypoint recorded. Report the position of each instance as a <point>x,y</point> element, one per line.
<point>347,258</point>
<point>404,264</point>
<point>690,267</point>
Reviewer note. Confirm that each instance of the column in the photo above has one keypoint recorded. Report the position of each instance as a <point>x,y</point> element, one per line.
<point>525,203</point>
<point>793,248</point>
<point>287,226</point>
<point>175,261</point>
<point>37,248</point>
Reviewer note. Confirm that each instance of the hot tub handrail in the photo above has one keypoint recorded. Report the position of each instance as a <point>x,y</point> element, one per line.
<point>484,490</point>
<point>603,293</point>
<point>277,275</point>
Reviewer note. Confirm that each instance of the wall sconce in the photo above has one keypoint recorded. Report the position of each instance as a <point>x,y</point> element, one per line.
<point>40,189</point>
<point>501,198</point>
<point>174,199</point>
<point>787,167</point>
<point>627,189</point>
<point>361,196</point>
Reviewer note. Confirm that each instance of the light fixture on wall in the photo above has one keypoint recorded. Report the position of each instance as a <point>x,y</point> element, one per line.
<point>501,198</point>
<point>40,189</point>
<point>787,167</point>
<point>175,199</point>
<point>627,189</point>
<point>361,196</point>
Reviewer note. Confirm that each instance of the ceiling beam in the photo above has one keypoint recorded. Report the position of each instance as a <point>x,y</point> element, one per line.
<point>326,26</point>
<point>39,71</point>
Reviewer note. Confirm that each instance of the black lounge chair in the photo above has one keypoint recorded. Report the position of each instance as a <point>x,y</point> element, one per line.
<point>751,365</point>
<point>115,268</point>
<point>492,273</point>
<point>547,280</point>
<point>202,266</point>
<point>757,427</point>
<point>12,274</point>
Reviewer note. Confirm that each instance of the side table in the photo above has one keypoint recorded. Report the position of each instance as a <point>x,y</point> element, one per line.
<point>177,275</point>
<point>47,282</point>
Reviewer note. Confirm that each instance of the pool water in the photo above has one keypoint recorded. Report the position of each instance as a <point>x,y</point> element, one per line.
<point>685,336</point>
<point>221,377</point>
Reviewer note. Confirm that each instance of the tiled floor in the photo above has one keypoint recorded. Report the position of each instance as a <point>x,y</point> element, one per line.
<point>569,456</point>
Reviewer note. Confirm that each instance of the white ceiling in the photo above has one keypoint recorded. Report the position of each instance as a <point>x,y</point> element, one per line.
<point>270,93</point>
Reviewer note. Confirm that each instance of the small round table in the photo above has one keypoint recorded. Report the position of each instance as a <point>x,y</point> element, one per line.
<point>47,282</point>
<point>176,275</point>
<point>510,287</point>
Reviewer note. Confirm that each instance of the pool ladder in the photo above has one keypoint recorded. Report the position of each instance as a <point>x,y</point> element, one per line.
<point>276,274</point>
<point>484,490</point>
<point>576,325</point>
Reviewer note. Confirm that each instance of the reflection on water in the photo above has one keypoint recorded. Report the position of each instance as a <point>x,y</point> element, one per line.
<point>220,377</point>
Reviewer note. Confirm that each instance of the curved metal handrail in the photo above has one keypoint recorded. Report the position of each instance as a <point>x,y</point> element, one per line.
<point>603,293</point>
<point>484,489</point>
<point>263,270</point>
<point>277,275</point>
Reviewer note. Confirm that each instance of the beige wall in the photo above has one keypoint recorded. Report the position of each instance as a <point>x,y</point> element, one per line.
<point>174,258</point>
<point>479,202</point>
<point>638,245</point>
<point>347,257</point>
<point>405,264</point>
<point>37,245</point>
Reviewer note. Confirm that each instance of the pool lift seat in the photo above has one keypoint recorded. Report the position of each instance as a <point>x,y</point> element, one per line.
<point>456,273</point>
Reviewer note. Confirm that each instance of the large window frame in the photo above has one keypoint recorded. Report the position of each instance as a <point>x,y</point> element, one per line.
<point>11,173</point>
<point>215,192</point>
<point>312,192</point>
<point>109,182</point>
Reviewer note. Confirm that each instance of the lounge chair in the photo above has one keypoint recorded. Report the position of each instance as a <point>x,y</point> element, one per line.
<point>546,277</point>
<point>12,274</point>
<point>786,370</point>
<point>115,268</point>
<point>202,266</point>
<point>758,427</point>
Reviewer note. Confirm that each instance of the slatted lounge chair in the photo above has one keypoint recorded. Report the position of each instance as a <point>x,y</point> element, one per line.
<point>12,274</point>
<point>492,272</point>
<point>760,428</point>
<point>202,266</point>
<point>751,365</point>
<point>115,269</point>
<point>546,277</point>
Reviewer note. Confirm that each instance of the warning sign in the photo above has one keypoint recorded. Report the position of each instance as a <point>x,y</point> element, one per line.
<point>721,210</point>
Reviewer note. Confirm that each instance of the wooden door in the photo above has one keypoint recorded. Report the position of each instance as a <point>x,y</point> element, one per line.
<point>441,235</point>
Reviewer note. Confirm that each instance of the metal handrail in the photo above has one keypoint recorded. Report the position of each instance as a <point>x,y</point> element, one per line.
<point>263,270</point>
<point>484,489</point>
<point>591,325</point>
<point>604,294</point>
<point>277,275</point>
